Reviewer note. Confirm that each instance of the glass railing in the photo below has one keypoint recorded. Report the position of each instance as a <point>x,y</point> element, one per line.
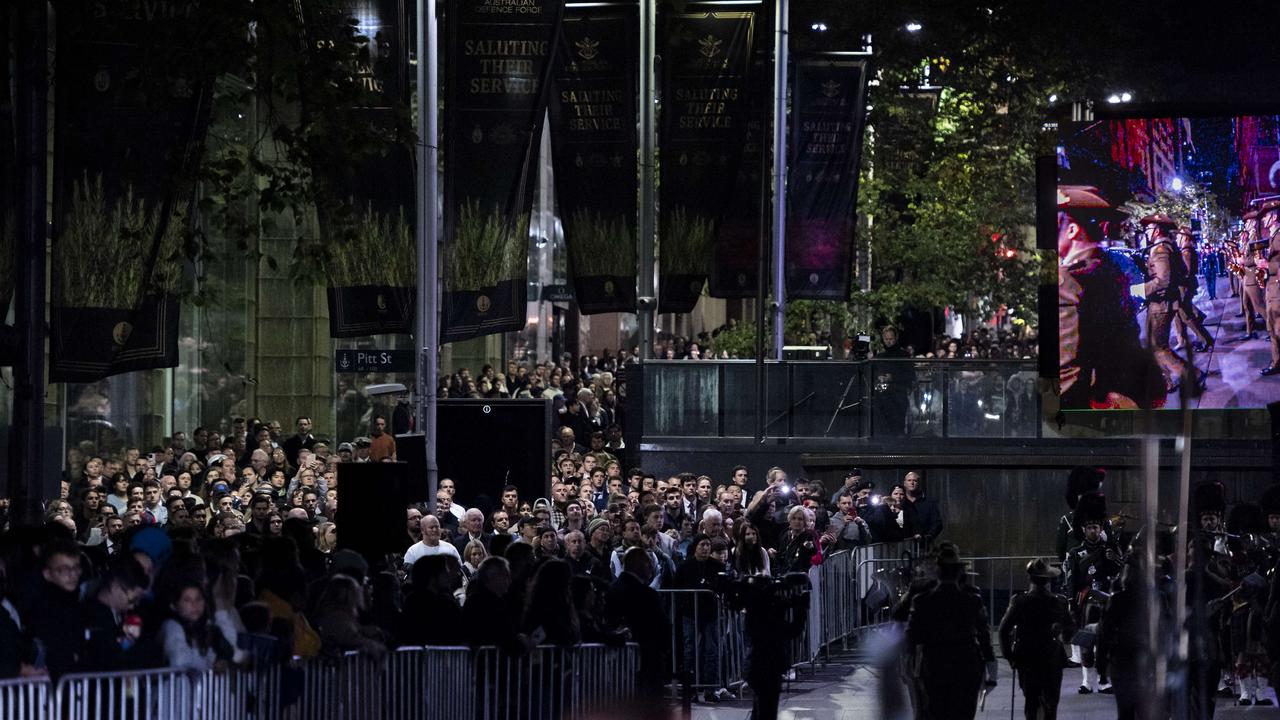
<point>868,399</point>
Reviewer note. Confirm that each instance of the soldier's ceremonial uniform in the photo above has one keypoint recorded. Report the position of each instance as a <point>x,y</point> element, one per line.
<point>1189,316</point>
<point>1031,636</point>
<point>1090,568</point>
<point>1251,289</point>
<point>1101,361</point>
<point>1271,224</point>
<point>1163,291</point>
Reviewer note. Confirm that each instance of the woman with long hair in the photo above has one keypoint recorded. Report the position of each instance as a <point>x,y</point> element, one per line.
<point>799,545</point>
<point>338,619</point>
<point>188,637</point>
<point>326,537</point>
<point>550,606</point>
<point>119,497</point>
<point>750,557</point>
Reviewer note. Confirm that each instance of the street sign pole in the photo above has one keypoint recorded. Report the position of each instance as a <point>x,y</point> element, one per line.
<point>428,154</point>
<point>779,174</point>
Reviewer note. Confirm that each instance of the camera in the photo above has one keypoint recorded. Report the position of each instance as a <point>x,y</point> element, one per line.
<point>784,489</point>
<point>786,592</point>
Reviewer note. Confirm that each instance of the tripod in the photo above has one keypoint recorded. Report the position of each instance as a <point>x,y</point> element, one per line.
<point>841,406</point>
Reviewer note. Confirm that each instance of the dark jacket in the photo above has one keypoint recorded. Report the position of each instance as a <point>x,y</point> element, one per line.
<point>924,516</point>
<point>884,525</point>
<point>491,620</point>
<point>431,618</point>
<point>695,575</point>
<point>1034,627</point>
<point>633,604</point>
<point>55,621</point>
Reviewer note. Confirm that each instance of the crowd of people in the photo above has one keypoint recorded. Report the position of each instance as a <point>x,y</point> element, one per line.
<point>225,550</point>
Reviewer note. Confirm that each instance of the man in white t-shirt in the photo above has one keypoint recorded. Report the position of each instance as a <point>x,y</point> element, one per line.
<point>430,543</point>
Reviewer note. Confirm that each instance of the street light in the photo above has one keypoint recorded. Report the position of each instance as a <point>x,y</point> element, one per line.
<point>1176,184</point>
<point>818,27</point>
<point>913,27</point>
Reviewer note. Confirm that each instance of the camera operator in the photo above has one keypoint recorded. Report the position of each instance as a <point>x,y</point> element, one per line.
<point>776,612</point>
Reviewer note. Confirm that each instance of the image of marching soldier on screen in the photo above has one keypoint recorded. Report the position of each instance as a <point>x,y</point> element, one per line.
<point>1169,263</point>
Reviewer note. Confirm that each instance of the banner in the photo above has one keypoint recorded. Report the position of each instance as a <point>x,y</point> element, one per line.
<point>499,70</point>
<point>735,255</point>
<point>8,167</point>
<point>828,109</point>
<point>131,114</point>
<point>706,56</point>
<point>366,185</point>
<point>593,141</point>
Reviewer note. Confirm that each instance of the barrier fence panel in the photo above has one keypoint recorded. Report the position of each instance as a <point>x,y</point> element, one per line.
<point>698,623</point>
<point>999,578</point>
<point>126,695</point>
<point>433,683</point>
<point>24,699</point>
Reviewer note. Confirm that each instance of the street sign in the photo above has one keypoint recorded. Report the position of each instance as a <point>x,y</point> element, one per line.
<point>348,360</point>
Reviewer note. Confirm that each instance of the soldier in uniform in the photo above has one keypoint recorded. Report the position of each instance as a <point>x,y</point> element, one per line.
<point>1252,290</point>
<point>948,628</point>
<point>1164,294</point>
<point>1101,361</point>
<point>1090,568</point>
<point>1271,228</point>
<point>1031,635</point>
<point>1190,316</point>
<point>1083,479</point>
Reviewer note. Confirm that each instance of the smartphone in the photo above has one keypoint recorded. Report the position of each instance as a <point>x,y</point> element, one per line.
<point>784,489</point>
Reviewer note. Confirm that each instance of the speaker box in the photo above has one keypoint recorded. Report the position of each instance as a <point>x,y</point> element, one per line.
<point>1047,202</point>
<point>1274,409</point>
<point>371,503</point>
<point>485,445</point>
<point>411,449</point>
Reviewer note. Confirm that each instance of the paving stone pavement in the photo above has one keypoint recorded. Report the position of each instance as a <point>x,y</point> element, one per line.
<point>845,690</point>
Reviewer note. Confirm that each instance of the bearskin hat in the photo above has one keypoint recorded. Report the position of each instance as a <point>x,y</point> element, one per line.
<point>1208,497</point>
<point>1270,501</point>
<point>1082,480</point>
<point>1246,518</point>
<point>1092,507</point>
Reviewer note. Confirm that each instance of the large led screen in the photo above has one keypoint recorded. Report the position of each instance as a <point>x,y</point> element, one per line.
<point>1168,233</point>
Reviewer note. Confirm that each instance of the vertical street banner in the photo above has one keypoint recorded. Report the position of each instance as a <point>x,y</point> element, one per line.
<point>499,63</point>
<point>828,110</point>
<point>8,167</point>
<point>132,107</point>
<point>706,61</point>
<point>365,185</point>
<point>593,140</point>
<point>735,255</point>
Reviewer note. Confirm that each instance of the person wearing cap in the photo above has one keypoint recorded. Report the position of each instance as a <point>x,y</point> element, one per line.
<point>947,626</point>
<point>1163,291</point>
<point>1101,361</point>
<point>1190,316</point>
<point>1271,229</point>
<point>1090,568</point>
<point>1031,639</point>
<point>1252,304</point>
<point>346,451</point>
<point>363,445</point>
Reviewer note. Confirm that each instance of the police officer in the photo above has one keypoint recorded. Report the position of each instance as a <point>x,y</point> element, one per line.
<point>1252,289</point>
<point>1271,230</point>
<point>948,628</point>
<point>1190,316</point>
<point>1031,636</point>
<point>1163,292</point>
<point>1101,362</point>
<point>1090,568</point>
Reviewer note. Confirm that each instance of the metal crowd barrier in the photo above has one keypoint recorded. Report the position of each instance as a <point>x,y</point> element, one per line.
<point>446,683</point>
<point>700,632</point>
<point>24,699</point>
<point>999,578</point>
